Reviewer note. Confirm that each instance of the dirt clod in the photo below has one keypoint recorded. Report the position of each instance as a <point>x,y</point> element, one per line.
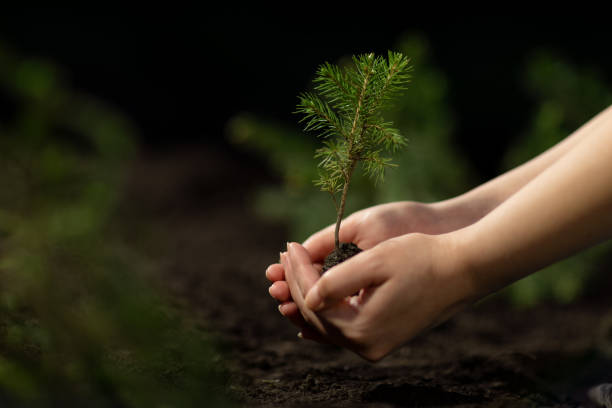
<point>346,250</point>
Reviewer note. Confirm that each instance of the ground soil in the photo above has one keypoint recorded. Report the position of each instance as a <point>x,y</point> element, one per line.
<point>344,252</point>
<point>213,254</point>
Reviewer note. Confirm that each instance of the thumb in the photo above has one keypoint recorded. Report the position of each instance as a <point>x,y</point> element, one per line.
<point>320,244</point>
<point>302,270</point>
<point>344,280</point>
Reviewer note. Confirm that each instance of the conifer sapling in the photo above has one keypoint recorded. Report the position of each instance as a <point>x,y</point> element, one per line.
<point>346,111</point>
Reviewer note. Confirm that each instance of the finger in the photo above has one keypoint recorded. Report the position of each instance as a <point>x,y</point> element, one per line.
<point>275,272</point>
<point>290,311</point>
<point>302,267</point>
<point>320,244</point>
<point>308,333</point>
<point>280,291</point>
<point>294,289</point>
<point>344,280</point>
<point>296,293</point>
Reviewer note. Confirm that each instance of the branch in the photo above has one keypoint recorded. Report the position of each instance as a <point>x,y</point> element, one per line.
<point>399,66</point>
<point>334,85</point>
<point>360,100</point>
<point>314,109</point>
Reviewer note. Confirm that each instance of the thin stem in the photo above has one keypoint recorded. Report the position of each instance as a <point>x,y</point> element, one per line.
<point>352,159</point>
<point>333,196</point>
<point>342,203</point>
<point>359,102</point>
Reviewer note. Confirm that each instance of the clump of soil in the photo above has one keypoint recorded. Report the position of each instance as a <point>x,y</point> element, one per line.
<point>346,250</point>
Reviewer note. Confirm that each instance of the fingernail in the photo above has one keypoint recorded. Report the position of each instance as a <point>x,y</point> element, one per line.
<point>280,309</point>
<point>300,335</point>
<point>270,290</point>
<point>288,246</point>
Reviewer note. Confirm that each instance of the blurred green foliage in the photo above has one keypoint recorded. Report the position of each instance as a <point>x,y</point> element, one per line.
<point>566,97</point>
<point>431,168</point>
<point>80,323</point>
<point>421,114</point>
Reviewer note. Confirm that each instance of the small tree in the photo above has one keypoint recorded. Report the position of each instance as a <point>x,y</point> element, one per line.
<point>347,113</point>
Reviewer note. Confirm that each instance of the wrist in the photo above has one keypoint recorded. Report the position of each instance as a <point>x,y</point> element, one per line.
<point>479,267</point>
<point>453,265</point>
<point>456,213</point>
<point>434,218</point>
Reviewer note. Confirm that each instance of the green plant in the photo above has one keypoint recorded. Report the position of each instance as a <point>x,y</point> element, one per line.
<point>348,114</point>
<point>431,167</point>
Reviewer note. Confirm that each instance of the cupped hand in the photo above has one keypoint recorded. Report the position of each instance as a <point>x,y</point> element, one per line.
<point>366,228</point>
<point>405,284</point>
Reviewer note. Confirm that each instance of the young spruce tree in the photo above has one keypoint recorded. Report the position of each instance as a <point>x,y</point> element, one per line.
<point>346,110</point>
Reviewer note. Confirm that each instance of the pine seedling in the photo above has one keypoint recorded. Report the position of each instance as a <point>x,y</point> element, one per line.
<point>346,111</point>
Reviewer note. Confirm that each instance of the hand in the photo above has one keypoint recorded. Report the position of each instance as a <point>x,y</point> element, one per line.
<point>405,284</point>
<point>367,228</point>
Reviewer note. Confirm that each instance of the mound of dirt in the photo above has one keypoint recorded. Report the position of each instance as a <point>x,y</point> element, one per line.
<point>344,252</point>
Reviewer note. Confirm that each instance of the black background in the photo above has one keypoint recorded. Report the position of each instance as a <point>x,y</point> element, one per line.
<point>181,73</point>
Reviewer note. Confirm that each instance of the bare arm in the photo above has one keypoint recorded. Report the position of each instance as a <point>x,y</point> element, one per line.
<point>566,208</point>
<point>473,205</point>
<point>552,207</point>
<point>376,224</point>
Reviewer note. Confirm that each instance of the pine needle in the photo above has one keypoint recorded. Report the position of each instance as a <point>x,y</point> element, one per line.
<point>346,111</point>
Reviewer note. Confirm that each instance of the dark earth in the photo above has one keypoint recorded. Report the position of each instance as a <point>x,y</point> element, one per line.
<point>214,251</point>
<point>344,251</point>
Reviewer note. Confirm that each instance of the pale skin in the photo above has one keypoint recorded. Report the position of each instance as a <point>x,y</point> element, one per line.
<point>425,262</point>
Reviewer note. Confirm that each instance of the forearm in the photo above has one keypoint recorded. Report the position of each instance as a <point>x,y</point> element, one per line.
<point>473,205</point>
<point>564,209</point>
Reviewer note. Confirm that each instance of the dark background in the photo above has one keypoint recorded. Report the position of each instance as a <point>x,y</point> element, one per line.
<point>180,74</point>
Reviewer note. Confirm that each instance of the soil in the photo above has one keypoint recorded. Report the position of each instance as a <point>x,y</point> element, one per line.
<point>341,254</point>
<point>214,252</point>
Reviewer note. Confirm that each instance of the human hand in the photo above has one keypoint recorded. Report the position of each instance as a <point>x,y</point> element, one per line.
<point>367,228</point>
<point>405,284</point>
